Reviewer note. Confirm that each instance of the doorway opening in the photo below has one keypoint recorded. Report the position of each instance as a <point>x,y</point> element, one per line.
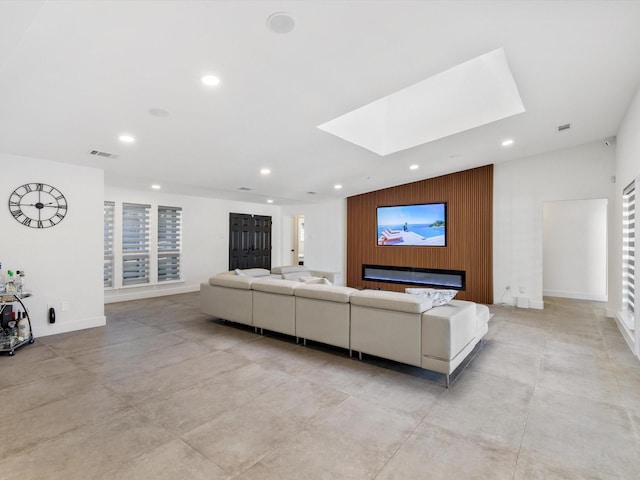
<point>298,240</point>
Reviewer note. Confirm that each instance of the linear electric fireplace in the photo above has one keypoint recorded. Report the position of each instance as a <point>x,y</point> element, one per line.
<point>427,277</point>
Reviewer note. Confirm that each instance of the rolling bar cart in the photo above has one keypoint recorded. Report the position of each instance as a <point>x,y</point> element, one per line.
<point>8,343</point>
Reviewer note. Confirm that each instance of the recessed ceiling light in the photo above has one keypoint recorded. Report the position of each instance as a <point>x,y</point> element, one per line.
<point>280,22</point>
<point>156,187</point>
<point>337,187</point>
<point>507,142</point>
<point>265,171</point>
<point>269,201</point>
<point>414,167</point>
<point>210,80</point>
<point>126,138</point>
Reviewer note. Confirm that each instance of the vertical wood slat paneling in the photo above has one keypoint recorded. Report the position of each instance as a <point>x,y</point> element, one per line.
<point>469,198</point>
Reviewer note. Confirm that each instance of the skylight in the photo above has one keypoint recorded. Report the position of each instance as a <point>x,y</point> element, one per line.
<point>469,95</point>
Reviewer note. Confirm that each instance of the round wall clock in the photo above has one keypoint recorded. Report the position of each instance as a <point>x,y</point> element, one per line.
<point>38,205</point>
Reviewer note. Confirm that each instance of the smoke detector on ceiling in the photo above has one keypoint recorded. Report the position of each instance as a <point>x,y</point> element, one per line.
<point>280,22</point>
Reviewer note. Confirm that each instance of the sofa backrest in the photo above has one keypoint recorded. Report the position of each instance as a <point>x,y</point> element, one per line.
<point>398,301</point>
<point>332,293</point>
<point>289,269</point>
<point>274,285</point>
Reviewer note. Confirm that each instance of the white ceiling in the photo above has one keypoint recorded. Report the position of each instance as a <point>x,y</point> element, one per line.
<point>76,74</point>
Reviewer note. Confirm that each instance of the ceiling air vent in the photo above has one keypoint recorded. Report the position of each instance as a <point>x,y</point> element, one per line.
<point>566,126</point>
<point>245,189</point>
<point>102,154</point>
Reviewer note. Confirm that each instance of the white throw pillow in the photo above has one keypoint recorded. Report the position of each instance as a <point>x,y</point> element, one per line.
<point>438,297</point>
<point>239,272</point>
<point>326,281</point>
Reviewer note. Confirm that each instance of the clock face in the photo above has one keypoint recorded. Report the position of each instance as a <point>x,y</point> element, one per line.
<point>38,205</point>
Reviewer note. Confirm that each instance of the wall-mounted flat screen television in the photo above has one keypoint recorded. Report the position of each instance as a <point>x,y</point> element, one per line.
<point>412,225</point>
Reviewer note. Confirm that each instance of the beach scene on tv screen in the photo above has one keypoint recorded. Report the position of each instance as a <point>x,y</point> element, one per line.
<point>412,225</point>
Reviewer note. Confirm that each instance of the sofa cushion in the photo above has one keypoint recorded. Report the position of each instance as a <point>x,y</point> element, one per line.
<point>331,293</point>
<point>398,301</point>
<point>232,281</point>
<point>273,285</point>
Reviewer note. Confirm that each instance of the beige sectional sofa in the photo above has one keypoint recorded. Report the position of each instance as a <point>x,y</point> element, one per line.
<point>393,325</point>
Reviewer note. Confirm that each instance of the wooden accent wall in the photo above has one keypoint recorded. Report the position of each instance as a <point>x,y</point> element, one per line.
<point>469,198</point>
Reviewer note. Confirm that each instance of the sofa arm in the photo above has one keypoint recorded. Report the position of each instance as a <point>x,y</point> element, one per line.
<point>448,329</point>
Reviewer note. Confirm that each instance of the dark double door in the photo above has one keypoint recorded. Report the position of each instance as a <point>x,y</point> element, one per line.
<point>249,241</point>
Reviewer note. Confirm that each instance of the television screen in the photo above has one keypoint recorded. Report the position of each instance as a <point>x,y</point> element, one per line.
<point>412,225</point>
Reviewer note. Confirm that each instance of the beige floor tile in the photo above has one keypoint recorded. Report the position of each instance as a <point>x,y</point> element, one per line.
<point>66,343</point>
<point>36,352</point>
<point>353,441</point>
<point>619,352</point>
<point>504,360</point>
<point>518,334</point>
<point>485,408</point>
<point>432,453</point>
<point>175,377</point>
<point>40,391</point>
<point>345,374</point>
<point>187,409</point>
<point>528,469</point>
<point>264,348</point>
<point>172,461</point>
<point>225,340</point>
<point>579,433</point>
<point>407,394</point>
<point>125,351</point>
<point>87,452</point>
<point>298,361</point>
<point>142,362</point>
<point>591,377</point>
<point>31,427</point>
<point>241,437</point>
<point>13,372</point>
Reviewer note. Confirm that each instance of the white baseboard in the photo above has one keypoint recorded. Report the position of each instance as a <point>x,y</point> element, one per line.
<point>125,295</point>
<point>575,295</point>
<point>63,327</point>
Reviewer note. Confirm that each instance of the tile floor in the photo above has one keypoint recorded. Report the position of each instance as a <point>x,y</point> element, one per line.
<point>163,392</point>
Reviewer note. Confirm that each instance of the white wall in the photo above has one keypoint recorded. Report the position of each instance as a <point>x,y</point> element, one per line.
<point>325,232</point>
<point>575,249</point>
<point>205,232</point>
<point>61,263</point>
<point>520,189</point>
